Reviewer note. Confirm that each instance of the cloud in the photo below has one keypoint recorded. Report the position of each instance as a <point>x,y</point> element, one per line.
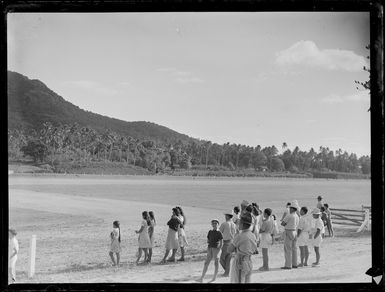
<point>92,87</point>
<point>189,80</point>
<point>307,53</point>
<point>361,96</point>
<point>183,77</point>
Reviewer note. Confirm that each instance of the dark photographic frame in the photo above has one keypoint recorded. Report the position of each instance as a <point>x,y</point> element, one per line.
<point>375,8</point>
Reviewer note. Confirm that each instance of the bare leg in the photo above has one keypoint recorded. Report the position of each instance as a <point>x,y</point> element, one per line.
<point>112,258</point>
<point>182,254</point>
<point>306,249</point>
<point>149,255</point>
<point>216,265</point>
<point>205,267</point>
<point>165,256</point>
<point>302,255</point>
<point>145,255</point>
<point>117,258</point>
<point>139,255</point>
<point>172,258</point>
<point>318,256</point>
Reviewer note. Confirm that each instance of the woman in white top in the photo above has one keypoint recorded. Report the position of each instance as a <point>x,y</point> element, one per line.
<point>303,233</point>
<point>115,243</point>
<point>144,238</point>
<point>13,250</point>
<point>182,234</point>
<point>151,232</point>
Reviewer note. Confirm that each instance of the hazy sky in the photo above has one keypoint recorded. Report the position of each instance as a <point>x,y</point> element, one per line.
<point>248,78</point>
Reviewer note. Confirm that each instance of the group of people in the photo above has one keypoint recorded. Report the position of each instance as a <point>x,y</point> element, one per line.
<point>176,238</point>
<point>248,228</point>
<point>232,243</point>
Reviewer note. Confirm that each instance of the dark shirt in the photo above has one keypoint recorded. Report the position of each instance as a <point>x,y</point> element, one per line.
<point>174,223</point>
<point>214,237</point>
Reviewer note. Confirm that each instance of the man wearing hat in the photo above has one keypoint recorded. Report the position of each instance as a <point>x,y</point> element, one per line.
<point>317,230</point>
<point>290,222</point>
<point>245,244</point>
<point>228,230</point>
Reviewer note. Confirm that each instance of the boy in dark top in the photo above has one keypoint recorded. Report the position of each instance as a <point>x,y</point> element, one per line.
<point>215,241</point>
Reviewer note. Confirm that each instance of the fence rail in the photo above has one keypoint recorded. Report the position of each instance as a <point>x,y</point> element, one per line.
<point>359,218</point>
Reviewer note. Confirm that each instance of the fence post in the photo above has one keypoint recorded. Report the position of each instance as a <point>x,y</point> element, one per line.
<point>32,257</point>
<point>366,222</point>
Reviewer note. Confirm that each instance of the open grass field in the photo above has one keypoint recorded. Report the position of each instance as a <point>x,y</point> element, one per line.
<point>72,217</point>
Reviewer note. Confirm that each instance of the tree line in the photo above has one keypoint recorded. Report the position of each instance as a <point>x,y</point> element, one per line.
<point>56,143</point>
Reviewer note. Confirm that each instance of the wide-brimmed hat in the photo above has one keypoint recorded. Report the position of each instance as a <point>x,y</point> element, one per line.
<point>295,205</point>
<point>246,218</point>
<point>316,211</point>
<point>245,203</point>
<point>229,213</point>
<point>215,220</point>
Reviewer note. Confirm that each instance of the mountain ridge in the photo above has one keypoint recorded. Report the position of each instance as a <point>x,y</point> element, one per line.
<point>31,103</point>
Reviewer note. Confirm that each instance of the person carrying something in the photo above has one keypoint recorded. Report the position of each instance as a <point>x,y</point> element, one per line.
<point>215,241</point>
<point>172,242</point>
<point>228,230</point>
<point>290,222</point>
<point>304,227</point>
<point>267,237</point>
<point>244,245</point>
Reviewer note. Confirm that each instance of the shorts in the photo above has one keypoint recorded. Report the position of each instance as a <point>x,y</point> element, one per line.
<point>213,253</point>
<point>303,239</point>
<point>316,242</point>
<point>266,240</point>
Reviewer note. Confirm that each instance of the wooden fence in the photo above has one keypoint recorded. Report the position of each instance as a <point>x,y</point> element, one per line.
<point>358,218</point>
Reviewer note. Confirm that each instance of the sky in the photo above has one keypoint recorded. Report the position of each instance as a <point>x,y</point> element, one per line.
<point>241,77</point>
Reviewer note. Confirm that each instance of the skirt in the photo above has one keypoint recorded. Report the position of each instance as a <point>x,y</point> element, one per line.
<point>172,239</point>
<point>115,246</point>
<point>303,239</point>
<point>182,238</point>
<point>266,240</point>
<point>144,240</point>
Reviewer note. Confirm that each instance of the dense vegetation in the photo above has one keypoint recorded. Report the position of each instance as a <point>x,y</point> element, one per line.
<point>59,144</point>
<point>50,130</point>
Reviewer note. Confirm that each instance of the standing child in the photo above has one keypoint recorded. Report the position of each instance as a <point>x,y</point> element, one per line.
<point>324,218</point>
<point>215,241</point>
<point>228,231</point>
<point>182,234</point>
<point>276,228</point>
<point>244,245</point>
<point>13,250</point>
<point>236,216</point>
<point>151,230</point>
<point>115,243</point>
<point>304,227</point>
<point>266,233</point>
<point>317,230</point>
<point>144,238</point>
<point>329,224</point>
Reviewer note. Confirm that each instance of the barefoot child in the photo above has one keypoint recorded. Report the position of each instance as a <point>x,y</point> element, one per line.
<point>304,227</point>
<point>115,243</point>
<point>244,245</point>
<point>266,233</point>
<point>317,230</point>
<point>151,230</point>
<point>329,224</point>
<point>12,253</point>
<point>215,241</point>
<point>144,238</point>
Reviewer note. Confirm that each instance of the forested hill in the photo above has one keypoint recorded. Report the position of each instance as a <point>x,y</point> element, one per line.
<point>31,103</point>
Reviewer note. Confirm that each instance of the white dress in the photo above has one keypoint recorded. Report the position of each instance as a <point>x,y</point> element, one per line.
<point>182,234</point>
<point>115,244</point>
<point>144,238</point>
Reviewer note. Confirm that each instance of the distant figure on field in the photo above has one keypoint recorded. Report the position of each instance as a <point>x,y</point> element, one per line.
<point>151,231</point>
<point>144,238</point>
<point>329,223</point>
<point>267,237</point>
<point>304,228</point>
<point>172,242</point>
<point>214,241</point>
<point>287,210</point>
<point>13,250</point>
<point>115,243</point>
<point>316,231</point>
<point>319,202</point>
<point>290,222</point>
<point>236,215</point>
<point>244,245</point>
<point>228,230</point>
